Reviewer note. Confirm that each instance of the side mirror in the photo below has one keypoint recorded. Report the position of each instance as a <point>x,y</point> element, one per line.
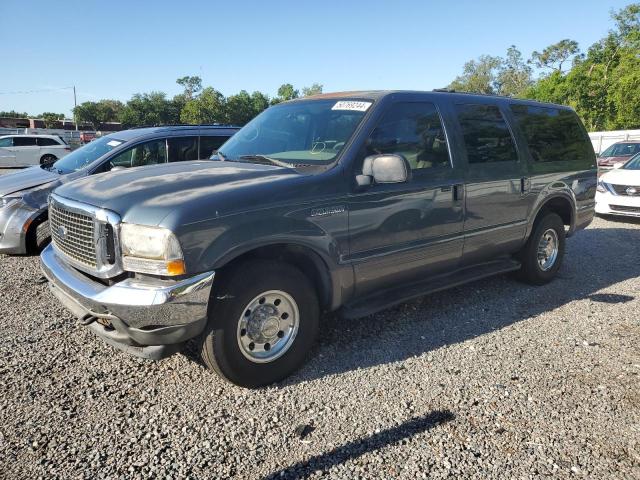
<point>385,168</point>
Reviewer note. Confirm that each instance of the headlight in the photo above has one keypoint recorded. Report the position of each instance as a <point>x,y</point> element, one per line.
<point>601,187</point>
<point>152,250</point>
<point>8,200</point>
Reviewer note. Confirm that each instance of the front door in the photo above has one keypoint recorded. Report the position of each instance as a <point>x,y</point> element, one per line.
<point>404,232</point>
<point>7,152</point>
<point>496,183</point>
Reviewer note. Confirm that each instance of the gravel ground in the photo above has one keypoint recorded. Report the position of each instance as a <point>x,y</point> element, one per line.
<point>494,379</point>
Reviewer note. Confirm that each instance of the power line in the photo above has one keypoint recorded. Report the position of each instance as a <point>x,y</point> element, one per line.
<point>35,91</point>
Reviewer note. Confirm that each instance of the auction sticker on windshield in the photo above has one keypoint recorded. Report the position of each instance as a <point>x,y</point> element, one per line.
<point>113,143</point>
<point>351,105</point>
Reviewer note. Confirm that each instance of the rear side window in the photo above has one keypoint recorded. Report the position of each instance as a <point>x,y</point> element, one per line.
<point>210,145</point>
<point>24,141</point>
<point>486,135</point>
<point>182,148</point>
<point>414,130</point>
<point>148,153</point>
<point>6,142</point>
<point>553,134</point>
<point>46,142</point>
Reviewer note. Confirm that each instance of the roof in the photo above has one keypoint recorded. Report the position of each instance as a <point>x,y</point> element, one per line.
<point>144,131</point>
<point>463,96</point>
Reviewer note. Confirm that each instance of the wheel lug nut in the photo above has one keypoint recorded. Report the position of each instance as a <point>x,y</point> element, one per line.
<point>280,334</point>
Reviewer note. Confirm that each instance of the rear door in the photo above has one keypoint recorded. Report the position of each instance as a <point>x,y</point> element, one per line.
<point>7,152</point>
<point>496,183</point>
<point>26,150</point>
<point>405,232</point>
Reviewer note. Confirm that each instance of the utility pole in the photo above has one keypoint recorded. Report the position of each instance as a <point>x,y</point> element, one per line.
<point>75,104</point>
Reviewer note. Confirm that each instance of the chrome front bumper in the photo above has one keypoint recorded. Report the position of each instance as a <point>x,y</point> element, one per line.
<point>137,316</point>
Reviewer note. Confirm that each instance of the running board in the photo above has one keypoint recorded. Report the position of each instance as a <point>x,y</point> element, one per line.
<point>380,301</point>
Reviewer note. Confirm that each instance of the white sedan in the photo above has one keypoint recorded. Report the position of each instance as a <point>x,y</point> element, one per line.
<point>618,190</point>
<point>27,150</point>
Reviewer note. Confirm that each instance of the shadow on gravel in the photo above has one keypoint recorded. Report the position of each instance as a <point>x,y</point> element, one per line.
<point>357,448</point>
<point>596,259</point>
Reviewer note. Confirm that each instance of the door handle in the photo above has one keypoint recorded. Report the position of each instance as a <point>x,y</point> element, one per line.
<point>525,184</point>
<point>458,192</point>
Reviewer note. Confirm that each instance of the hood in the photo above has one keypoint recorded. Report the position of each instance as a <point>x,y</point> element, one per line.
<point>146,195</point>
<point>622,177</point>
<point>24,179</point>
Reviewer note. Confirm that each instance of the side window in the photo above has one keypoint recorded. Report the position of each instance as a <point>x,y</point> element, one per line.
<point>553,134</point>
<point>210,145</point>
<point>6,142</point>
<point>182,148</point>
<point>413,130</point>
<point>24,141</point>
<point>45,142</point>
<point>148,153</point>
<point>486,135</point>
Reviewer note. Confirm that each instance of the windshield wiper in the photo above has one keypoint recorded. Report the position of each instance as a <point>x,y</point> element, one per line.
<point>265,160</point>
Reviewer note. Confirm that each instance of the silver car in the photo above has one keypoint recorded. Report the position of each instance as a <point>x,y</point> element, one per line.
<point>24,225</point>
<point>27,150</point>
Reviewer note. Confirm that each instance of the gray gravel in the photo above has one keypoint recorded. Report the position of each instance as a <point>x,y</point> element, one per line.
<point>494,379</point>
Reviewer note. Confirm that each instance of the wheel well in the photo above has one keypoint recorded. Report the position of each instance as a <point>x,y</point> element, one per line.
<point>30,239</point>
<point>558,205</point>
<point>303,258</point>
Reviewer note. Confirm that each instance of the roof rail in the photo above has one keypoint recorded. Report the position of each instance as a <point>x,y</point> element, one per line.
<point>192,125</point>
<point>444,90</point>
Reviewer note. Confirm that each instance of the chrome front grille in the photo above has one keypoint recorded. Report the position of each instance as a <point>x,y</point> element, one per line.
<point>73,234</point>
<point>626,190</point>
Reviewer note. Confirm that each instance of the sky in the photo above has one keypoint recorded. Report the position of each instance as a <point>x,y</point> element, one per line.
<point>114,49</point>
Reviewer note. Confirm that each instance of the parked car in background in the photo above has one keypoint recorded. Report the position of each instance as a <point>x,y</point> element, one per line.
<point>618,154</point>
<point>619,190</point>
<point>23,195</point>
<point>28,150</point>
<point>352,201</point>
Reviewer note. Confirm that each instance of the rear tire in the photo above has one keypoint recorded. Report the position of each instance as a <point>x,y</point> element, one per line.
<point>47,159</point>
<point>543,253</point>
<point>263,320</point>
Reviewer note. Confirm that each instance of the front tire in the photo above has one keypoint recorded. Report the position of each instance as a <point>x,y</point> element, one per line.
<point>48,159</point>
<point>543,253</point>
<point>263,320</point>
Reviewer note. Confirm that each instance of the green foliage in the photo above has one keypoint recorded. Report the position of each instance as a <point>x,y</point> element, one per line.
<point>208,107</point>
<point>150,109</point>
<point>99,112</point>
<point>555,55</point>
<point>14,114</point>
<point>192,85</point>
<point>51,119</point>
<point>315,89</point>
<point>285,92</point>
<point>602,85</point>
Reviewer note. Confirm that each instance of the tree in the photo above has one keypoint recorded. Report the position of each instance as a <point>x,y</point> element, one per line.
<point>14,114</point>
<point>514,75</point>
<point>208,107</point>
<point>554,56</point>
<point>51,119</point>
<point>192,86</point>
<point>260,102</point>
<point>149,109</point>
<point>479,76</point>
<point>97,113</point>
<point>285,92</point>
<point>314,89</point>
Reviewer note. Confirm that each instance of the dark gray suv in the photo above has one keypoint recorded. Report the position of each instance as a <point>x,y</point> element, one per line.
<point>23,195</point>
<point>350,202</point>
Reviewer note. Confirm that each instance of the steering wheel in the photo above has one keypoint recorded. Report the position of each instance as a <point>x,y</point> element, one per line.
<point>337,146</point>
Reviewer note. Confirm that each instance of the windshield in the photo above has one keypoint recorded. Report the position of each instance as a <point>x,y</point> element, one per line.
<point>633,164</point>
<point>621,150</point>
<point>297,134</point>
<point>83,156</point>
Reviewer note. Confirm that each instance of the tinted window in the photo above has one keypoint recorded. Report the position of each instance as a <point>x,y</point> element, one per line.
<point>486,135</point>
<point>413,130</point>
<point>6,142</point>
<point>24,141</point>
<point>44,142</point>
<point>633,164</point>
<point>210,145</point>
<point>553,134</point>
<point>148,153</point>
<point>183,148</point>
<point>86,154</point>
